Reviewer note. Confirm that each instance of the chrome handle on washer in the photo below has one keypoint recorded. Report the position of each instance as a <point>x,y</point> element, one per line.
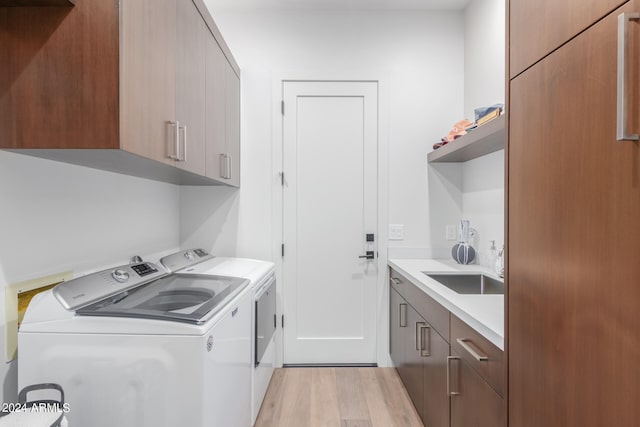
<point>621,120</point>
<point>450,392</point>
<point>176,137</point>
<point>471,351</point>
<point>403,315</point>
<point>425,350</point>
<point>264,288</point>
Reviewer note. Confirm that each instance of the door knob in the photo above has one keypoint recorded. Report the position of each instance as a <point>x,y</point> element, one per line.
<point>369,255</point>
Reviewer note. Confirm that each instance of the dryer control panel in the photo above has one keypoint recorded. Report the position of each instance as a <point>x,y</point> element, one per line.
<point>184,259</point>
<point>85,290</point>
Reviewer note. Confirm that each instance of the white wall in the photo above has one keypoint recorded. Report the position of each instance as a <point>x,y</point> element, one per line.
<point>56,217</point>
<point>484,81</point>
<point>484,54</point>
<point>417,52</point>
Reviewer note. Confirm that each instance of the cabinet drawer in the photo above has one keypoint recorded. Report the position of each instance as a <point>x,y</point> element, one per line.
<point>434,313</point>
<point>487,360</point>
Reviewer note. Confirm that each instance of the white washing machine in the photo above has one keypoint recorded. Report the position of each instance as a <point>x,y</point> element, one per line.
<point>136,346</point>
<point>263,318</point>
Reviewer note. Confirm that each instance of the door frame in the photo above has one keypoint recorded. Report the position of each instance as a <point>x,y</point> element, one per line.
<point>277,215</point>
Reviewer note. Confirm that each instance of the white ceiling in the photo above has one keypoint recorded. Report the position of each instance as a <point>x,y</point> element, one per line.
<point>337,4</point>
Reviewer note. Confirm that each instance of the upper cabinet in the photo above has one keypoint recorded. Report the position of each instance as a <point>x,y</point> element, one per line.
<point>536,28</point>
<point>121,86</point>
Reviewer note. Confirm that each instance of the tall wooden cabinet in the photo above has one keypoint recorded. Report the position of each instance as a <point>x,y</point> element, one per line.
<point>573,291</point>
<point>120,85</point>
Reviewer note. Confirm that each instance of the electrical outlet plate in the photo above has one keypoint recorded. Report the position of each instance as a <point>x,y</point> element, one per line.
<point>17,298</point>
<point>451,232</point>
<point>396,231</point>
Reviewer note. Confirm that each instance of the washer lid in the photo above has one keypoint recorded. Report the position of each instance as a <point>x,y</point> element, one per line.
<point>187,298</point>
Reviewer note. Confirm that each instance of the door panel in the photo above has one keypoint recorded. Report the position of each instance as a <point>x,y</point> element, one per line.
<point>477,404</point>
<point>232,84</point>
<point>538,27</point>
<point>413,366</point>
<point>436,401</point>
<point>191,36</point>
<point>215,108</point>
<point>330,203</point>
<point>574,198</point>
<point>397,326</point>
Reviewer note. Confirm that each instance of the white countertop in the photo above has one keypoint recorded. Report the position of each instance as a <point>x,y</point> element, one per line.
<point>484,313</point>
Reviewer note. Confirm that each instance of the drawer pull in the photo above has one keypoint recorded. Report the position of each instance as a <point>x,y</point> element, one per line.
<point>403,315</point>
<point>621,123</point>
<point>471,351</point>
<point>425,349</point>
<point>450,392</point>
<point>396,280</point>
<point>419,343</point>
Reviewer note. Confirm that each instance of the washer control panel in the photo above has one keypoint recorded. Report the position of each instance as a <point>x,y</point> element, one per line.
<point>91,288</point>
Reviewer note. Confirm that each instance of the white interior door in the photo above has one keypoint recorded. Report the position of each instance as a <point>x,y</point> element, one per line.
<point>330,205</point>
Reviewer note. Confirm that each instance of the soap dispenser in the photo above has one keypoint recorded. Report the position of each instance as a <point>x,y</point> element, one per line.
<point>500,262</point>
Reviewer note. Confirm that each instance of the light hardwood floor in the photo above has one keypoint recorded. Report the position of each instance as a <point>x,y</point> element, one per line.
<point>337,397</point>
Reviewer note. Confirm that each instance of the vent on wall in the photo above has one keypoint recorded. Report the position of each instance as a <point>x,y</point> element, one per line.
<point>17,297</point>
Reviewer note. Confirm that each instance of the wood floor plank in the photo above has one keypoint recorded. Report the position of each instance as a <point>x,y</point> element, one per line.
<point>296,399</point>
<point>337,397</point>
<point>352,403</point>
<point>376,402</point>
<point>398,401</point>
<point>272,403</point>
<point>356,423</point>
<point>324,398</point>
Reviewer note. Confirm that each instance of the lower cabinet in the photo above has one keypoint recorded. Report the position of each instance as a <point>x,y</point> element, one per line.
<point>473,401</point>
<point>450,385</point>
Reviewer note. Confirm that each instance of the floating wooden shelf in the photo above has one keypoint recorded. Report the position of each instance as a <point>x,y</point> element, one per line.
<point>485,139</point>
<point>37,3</point>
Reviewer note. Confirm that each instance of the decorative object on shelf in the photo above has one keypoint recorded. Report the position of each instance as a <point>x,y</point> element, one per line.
<point>459,128</point>
<point>500,262</point>
<point>463,252</point>
<point>486,114</point>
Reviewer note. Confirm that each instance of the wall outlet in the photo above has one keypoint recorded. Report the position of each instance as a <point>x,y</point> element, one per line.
<point>451,232</point>
<point>396,231</point>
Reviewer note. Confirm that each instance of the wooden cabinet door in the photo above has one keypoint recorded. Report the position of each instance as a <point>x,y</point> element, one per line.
<point>411,373</point>
<point>59,69</point>
<point>397,326</point>
<point>538,27</point>
<point>191,36</point>
<point>148,76</point>
<point>215,109</point>
<point>476,403</point>
<point>436,401</point>
<point>233,125</point>
<point>573,240</point>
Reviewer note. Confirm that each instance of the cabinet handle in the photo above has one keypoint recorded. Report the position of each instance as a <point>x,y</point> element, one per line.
<point>403,315</point>
<point>173,153</point>
<point>228,166</point>
<point>450,392</point>
<point>223,165</point>
<point>425,350</point>
<point>419,326</point>
<point>621,119</point>
<point>183,158</point>
<point>395,280</point>
<point>471,351</point>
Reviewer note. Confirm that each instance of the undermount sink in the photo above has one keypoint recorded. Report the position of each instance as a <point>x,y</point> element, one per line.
<point>469,284</point>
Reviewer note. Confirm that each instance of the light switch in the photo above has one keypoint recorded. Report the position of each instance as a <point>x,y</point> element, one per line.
<point>396,232</point>
<point>451,232</point>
